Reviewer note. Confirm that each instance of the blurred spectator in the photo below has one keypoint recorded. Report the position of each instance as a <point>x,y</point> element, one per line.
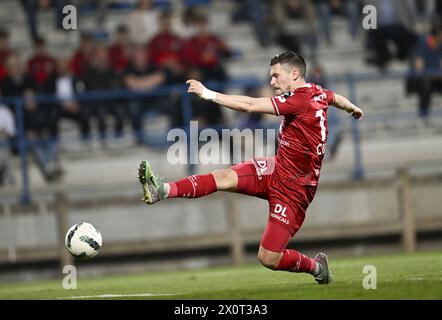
<point>31,8</point>
<point>143,22</point>
<point>41,64</point>
<point>438,6</point>
<point>45,151</point>
<point>120,50</point>
<point>7,131</point>
<point>425,11</point>
<point>350,9</point>
<point>206,52</point>
<point>5,51</point>
<point>141,76</point>
<point>100,76</point>
<point>395,22</point>
<point>18,83</point>
<point>98,7</point>
<point>165,47</point>
<point>64,85</point>
<point>286,10</point>
<point>428,68</point>
<point>185,26</point>
<point>255,11</point>
<point>204,111</point>
<point>82,56</point>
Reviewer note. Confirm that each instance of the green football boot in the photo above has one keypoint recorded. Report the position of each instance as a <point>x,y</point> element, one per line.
<point>153,187</point>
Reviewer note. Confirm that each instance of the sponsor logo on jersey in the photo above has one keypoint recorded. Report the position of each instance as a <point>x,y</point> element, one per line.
<point>283,97</point>
<point>322,96</point>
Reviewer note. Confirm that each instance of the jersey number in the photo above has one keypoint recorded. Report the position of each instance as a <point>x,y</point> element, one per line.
<point>320,149</point>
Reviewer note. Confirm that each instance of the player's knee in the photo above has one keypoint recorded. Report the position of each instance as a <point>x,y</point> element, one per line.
<point>226,179</point>
<point>269,259</point>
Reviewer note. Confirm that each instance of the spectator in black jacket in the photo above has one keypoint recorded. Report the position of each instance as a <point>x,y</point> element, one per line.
<point>428,68</point>
<point>141,76</point>
<point>101,76</point>
<point>18,83</point>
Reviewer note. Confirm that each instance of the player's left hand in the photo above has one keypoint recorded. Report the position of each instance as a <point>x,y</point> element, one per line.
<point>195,87</point>
<point>357,113</point>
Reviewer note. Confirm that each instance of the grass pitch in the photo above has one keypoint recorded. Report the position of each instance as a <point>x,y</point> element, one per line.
<point>399,276</point>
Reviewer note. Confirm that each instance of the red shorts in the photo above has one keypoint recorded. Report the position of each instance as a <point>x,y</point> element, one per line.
<point>288,201</point>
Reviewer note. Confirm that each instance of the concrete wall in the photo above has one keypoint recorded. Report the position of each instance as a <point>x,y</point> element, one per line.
<point>133,221</point>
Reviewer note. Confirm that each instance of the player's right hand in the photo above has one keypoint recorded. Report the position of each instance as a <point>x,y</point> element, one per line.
<point>195,87</point>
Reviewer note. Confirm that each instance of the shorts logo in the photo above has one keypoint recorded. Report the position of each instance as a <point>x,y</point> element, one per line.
<point>279,213</point>
<point>280,210</point>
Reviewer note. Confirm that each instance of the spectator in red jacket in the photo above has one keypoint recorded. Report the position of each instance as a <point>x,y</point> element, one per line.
<point>206,51</point>
<point>120,50</point>
<point>5,51</point>
<point>165,47</point>
<point>82,57</point>
<point>41,64</point>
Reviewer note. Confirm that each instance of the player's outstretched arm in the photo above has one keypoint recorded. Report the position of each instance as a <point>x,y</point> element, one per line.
<point>343,103</point>
<point>235,102</point>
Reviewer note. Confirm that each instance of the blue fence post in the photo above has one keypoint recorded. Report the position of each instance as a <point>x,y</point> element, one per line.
<point>187,117</point>
<point>25,197</point>
<point>358,172</point>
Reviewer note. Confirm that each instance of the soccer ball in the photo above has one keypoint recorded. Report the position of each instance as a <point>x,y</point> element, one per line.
<point>83,241</point>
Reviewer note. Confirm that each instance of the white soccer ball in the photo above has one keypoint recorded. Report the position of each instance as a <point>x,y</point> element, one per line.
<point>83,241</point>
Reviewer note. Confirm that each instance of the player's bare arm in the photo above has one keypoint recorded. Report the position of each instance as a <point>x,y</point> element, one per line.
<point>234,102</point>
<point>343,103</point>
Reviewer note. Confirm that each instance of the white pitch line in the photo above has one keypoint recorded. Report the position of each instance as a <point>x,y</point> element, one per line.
<point>120,295</point>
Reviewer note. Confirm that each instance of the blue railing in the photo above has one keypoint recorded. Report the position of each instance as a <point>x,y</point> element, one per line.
<point>350,79</point>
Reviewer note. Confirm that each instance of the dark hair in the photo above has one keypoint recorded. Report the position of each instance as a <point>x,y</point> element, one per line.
<point>165,14</point>
<point>39,41</point>
<point>4,33</point>
<point>291,58</point>
<point>436,26</point>
<point>122,28</point>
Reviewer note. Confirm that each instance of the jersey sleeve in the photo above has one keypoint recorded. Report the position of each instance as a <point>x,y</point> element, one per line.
<point>330,96</point>
<point>288,103</point>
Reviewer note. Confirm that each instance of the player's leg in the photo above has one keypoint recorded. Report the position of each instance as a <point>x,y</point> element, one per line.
<point>194,186</point>
<point>274,255</point>
<point>242,178</point>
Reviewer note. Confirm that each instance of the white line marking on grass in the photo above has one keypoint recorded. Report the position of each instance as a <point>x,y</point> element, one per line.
<point>120,295</point>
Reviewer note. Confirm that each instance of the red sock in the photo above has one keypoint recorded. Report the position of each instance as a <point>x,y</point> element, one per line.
<point>192,187</point>
<point>295,261</point>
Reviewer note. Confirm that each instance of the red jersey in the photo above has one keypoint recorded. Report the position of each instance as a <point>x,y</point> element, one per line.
<point>204,52</point>
<point>302,133</point>
<point>79,63</point>
<point>118,57</point>
<point>165,48</point>
<point>40,67</point>
<point>4,53</point>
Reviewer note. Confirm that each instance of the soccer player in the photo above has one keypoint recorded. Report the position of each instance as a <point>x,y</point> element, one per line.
<point>288,180</point>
